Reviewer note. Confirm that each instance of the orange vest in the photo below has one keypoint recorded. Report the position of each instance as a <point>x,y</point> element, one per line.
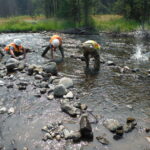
<point>55,37</point>
<point>16,49</point>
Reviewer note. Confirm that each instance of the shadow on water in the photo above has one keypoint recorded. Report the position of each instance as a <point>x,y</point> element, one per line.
<point>108,94</point>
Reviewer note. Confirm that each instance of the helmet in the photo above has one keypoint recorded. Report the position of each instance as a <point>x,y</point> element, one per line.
<point>17,42</point>
<point>55,42</point>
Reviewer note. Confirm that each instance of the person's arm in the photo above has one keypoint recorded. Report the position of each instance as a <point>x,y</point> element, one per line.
<point>46,50</point>
<point>12,52</point>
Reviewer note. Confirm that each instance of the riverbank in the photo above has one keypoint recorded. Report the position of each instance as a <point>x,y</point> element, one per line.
<point>101,23</point>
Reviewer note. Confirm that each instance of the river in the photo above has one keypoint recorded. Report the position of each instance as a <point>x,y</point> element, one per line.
<point>109,94</point>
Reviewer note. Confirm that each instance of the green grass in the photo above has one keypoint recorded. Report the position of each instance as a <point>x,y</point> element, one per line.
<point>18,24</point>
<point>115,23</point>
<point>109,23</point>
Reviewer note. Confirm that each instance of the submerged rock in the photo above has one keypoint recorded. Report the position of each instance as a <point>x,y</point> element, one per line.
<point>11,111</point>
<point>59,91</point>
<point>102,140</point>
<point>51,68</point>
<point>67,82</point>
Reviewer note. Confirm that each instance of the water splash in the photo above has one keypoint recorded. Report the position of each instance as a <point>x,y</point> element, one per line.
<point>139,55</point>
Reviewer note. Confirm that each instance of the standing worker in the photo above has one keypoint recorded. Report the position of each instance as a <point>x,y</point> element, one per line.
<point>16,49</point>
<point>91,48</point>
<point>55,42</point>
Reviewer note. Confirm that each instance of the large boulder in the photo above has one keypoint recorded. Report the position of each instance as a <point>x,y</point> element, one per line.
<point>51,68</point>
<point>12,64</point>
<point>60,91</point>
<point>67,82</point>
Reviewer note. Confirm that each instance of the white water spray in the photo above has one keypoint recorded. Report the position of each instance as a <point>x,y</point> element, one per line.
<point>139,55</point>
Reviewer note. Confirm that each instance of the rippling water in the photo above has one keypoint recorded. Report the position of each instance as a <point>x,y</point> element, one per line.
<point>108,94</point>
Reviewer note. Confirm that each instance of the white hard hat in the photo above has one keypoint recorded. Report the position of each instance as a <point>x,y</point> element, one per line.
<point>55,42</point>
<point>17,42</point>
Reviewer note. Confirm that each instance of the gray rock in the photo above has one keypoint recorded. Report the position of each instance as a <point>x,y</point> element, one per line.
<point>59,91</point>
<point>2,83</point>
<point>11,111</point>
<point>85,128</point>
<point>67,82</point>
<point>69,108</point>
<point>110,63</point>
<point>74,135</point>
<point>12,64</point>
<point>69,95</point>
<point>38,77</point>
<point>51,68</point>
<point>111,124</point>
<point>50,97</point>
<point>3,110</point>
<point>102,140</point>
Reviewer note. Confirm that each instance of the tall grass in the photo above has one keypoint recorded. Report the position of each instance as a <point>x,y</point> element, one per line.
<point>26,23</point>
<point>114,23</point>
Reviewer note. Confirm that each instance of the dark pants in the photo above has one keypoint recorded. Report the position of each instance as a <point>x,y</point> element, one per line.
<point>95,55</point>
<point>48,47</point>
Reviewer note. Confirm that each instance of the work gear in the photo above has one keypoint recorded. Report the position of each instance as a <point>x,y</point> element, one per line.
<point>90,48</point>
<point>56,42</point>
<point>15,48</point>
<point>18,42</point>
<point>92,44</point>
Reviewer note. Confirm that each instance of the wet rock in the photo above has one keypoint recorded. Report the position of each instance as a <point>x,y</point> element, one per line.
<point>52,78</point>
<point>69,108</point>
<point>67,82</point>
<point>59,91</point>
<point>50,97</point>
<point>147,130</point>
<point>3,110</point>
<point>12,64</point>
<point>47,136</point>
<point>38,77</point>
<point>69,95</point>
<point>111,124</point>
<point>85,128</point>
<point>34,69</point>
<point>135,70</point>
<point>148,139</point>
<point>10,85</point>
<point>110,63</point>
<point>58,137</point>
<point>43,85</point>
<point>21,66</point>
<point>66,133</point>
<point>43,90</point>
<point>130,125</point>
<point>51,88</point>
<point>130,120</point>
<point>74,135</point>
<point>2,83</point>
<point>102,140</point>
<point>21,87</point>
<point>129,106</point>
<point>25,148</point>
<point>51,68</point>
<point>11,111</point>
<point>120,131</point>
<point>83,107</point>
<point>125,69</point>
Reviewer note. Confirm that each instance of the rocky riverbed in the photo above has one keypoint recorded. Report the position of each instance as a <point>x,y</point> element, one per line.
<point>49,106</point>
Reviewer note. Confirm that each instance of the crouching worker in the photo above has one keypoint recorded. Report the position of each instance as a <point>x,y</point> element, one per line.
<point>16,49</point>
<point>91,48</point>
<point>55,42</point>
